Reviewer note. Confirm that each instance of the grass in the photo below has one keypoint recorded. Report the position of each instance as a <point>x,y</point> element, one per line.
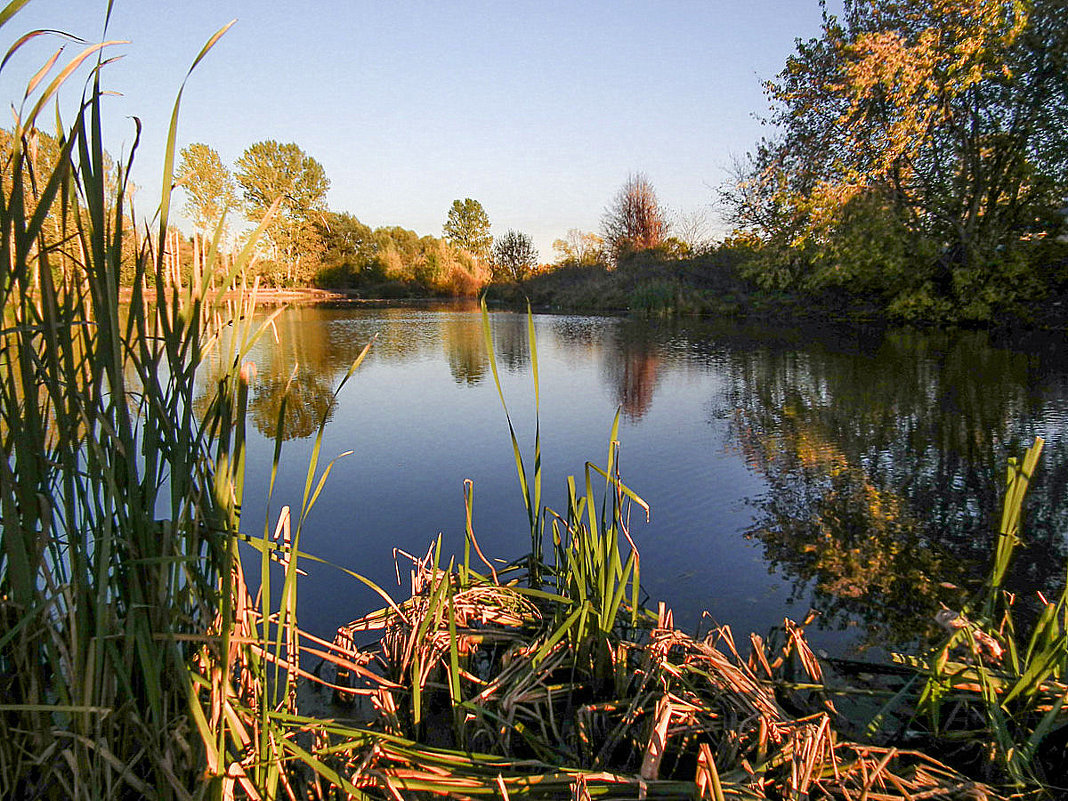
<point>136,662</point>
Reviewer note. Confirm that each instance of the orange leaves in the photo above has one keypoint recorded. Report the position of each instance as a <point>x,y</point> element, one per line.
<point>902,76</point>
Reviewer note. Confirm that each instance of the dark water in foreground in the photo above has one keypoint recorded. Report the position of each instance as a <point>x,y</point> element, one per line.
<point>855,473</point>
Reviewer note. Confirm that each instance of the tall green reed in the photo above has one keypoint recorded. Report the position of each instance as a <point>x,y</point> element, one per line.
<point>120,503</point>
<point>531,486</point>
<point>589,571</point>
<point>987,674</point>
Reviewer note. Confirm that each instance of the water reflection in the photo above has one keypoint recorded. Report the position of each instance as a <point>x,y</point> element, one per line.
<point>631,366</point>
<point>301,368</point>
<point>465,349</point>
<point>511,342</point>
<point>878,459</point>
<point>884,460</point>
<point>309,399</point>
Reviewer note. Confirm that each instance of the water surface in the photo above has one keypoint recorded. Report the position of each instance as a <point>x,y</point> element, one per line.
<point>857,473</point>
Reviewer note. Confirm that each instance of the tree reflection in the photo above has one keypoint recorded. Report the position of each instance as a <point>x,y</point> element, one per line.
<point>884,463</point>
<point>309,400</point>
<point>465,348</point>
<point>852,550</point>
<point>631,365</point>
<point>302,367</point>
<point>511,341</point>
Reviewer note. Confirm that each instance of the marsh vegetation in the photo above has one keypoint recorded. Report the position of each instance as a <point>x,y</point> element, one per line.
<point>137,660</point>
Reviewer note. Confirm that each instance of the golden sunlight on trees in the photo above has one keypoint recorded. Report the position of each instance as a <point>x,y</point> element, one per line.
<point>270,170</point>
<point>634,220</point>
<point>468,227</point>
<point>579,247</point>
<point>208,185</point>
<point>946,119</point>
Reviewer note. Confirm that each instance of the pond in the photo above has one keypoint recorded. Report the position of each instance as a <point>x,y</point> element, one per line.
<point>854,472</point>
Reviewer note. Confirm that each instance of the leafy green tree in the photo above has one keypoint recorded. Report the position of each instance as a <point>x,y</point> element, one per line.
<point>348,249</point>
<point>209,187</point>
<point>467,226</point>
<point>634,221</point>
<point>43,153</point>
<point>514,256</point>
<point>345,236</point>
<point>270,171</point>
<point>393,261</point>
<point>56,242</point>
<point>951,116</point>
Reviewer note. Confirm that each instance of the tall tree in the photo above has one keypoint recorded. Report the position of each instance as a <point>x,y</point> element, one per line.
<point>209,186</point>
<point>468,226</point>
<point>514,255</point>
<point>634,220</point>
<point>269,171</point>
<point>947,117</point>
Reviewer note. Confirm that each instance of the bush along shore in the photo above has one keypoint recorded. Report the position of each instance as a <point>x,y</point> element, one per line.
<point>136,662</point>
<point>725,281</point>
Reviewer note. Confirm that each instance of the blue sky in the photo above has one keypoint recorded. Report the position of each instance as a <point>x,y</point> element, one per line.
<point>539,110</point>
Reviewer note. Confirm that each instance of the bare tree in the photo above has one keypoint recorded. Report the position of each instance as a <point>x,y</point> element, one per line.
<point>693,229</point>
<point>634,221</point>
<point>514,256</point>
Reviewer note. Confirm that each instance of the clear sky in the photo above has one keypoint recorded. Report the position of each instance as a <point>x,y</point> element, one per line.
<point>539,110</point>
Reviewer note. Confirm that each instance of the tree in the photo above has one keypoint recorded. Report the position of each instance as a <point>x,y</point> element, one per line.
<point>270,171</point>
<point>468,227</point>
<point>693,230</point>
<point>209,186</point>
<point>579,247</point>
<point>949,115</point>
<point>634,221</point>
<point>514,255</point>
<point>43,153</point>
<point>348,248</point>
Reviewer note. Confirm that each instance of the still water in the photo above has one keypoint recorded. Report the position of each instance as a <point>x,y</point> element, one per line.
<point>856,473</point>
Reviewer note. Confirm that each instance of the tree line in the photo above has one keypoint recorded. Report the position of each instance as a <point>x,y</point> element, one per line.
<point>306,242</point>
<point>917,171</point>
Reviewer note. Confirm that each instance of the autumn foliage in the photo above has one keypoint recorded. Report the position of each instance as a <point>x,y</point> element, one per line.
<point>945,123</point>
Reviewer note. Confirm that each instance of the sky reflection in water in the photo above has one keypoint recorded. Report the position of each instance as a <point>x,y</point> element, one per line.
<point>854,472</point>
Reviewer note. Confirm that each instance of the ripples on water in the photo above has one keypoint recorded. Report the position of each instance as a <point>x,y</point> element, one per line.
<point>853,471</point>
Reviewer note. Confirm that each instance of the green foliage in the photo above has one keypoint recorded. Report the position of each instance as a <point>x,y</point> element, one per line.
<point>656,280</point>
<point>281,179</point>
<point>43,155</point>
<point>209,187</point>
<point>988,675</point>
<point>514,256</point>
<point>658,296</point>
<point>468,227</point>
<point>946,125</point>
<point>119,502</point>
<point>531,487</point>
<point>393,261</point>
<point>348,250</point>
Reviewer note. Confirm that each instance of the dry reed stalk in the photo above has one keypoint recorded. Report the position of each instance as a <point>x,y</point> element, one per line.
<point>683,702</point>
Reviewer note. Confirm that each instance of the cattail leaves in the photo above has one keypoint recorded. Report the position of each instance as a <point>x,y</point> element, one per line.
<point>981,673</point>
